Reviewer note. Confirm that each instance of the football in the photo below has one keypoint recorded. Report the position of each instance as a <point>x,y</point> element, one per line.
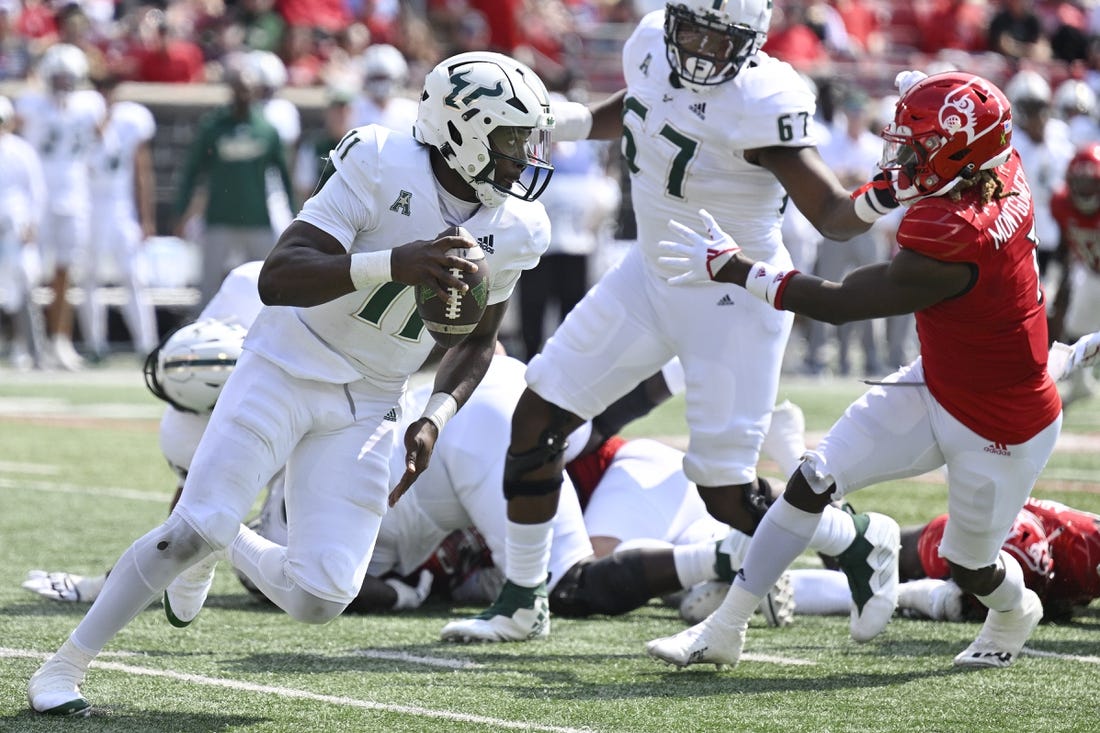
<point>452,320</point>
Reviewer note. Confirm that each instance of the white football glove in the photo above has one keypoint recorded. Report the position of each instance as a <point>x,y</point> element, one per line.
<point>905,80</point>
<point>409,597</point>
<point>62,586</point>
<point>697,258</point>
<point>1065,360</point>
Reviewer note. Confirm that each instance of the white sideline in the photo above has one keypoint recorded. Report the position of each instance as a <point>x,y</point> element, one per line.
<point>290,692</point>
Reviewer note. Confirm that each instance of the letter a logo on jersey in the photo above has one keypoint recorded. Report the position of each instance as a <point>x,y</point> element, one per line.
<point>401,203</point>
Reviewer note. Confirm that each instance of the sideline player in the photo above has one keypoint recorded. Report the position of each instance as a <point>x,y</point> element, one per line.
<point>318,386</point>
<point>63,126</point>
<point>123,196</point>
<point>979,398</point>
<point>706,120</point>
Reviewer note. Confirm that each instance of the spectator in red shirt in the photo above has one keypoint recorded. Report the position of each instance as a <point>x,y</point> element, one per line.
<point>954,24</point>
<point>792,40</point>
<point>163,57</point>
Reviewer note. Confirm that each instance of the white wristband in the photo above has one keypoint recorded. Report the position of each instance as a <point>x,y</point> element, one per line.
<point>767,282</point>
<point>441,407</point>
<point>572,121</point>
<point>368,269</point>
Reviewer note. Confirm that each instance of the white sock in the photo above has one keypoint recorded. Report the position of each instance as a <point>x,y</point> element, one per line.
<point>136,580</point>
<point>835,532</point>
<point>737,607</point>
<point>527,552</point>
<point>916,595</point>
<point>694,563</point>
<point>1008,595</point>
<point>819,592</point>
<point>71,652</point>
<point>782,536</point>
<point>264,563</point>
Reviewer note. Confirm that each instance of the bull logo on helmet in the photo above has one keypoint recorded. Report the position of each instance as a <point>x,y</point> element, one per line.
<point>959,113</point>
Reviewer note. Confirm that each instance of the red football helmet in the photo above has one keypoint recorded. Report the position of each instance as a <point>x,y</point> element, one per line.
<point>1083,179</point>
<point>944,125</point>
<point>1027,542</point>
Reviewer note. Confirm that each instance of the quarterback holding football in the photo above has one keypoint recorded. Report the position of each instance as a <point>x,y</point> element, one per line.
<point>326,362</point>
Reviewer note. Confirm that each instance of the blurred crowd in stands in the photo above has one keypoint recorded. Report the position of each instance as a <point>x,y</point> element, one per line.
<point>370,55</point>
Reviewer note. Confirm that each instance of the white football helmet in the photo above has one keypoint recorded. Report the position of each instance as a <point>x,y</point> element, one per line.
<point>63,66</point>
<point>269,69</point>
<point>469,96</point>
<point>189,369</point>
<point>1074,97</point>
<point>708,41</point>
<point>1028,86</point>
<point>384,69</point>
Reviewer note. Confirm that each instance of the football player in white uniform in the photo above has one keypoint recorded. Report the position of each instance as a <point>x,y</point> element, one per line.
<point>318,385</point>
<point>22,198</point>
<point>205,353</point>
<point>706,121</point>
<point>385,73</point>
<point>123,197</point>
<point>63,124</point>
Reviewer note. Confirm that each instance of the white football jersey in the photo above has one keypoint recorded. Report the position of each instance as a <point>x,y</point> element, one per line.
<point>129,125</point>
<point>462,484</point>
<point>376,333</point>
<point>64,133</point>
<point>685,149</point>
<point>22,187</point>
<point>399,113</point>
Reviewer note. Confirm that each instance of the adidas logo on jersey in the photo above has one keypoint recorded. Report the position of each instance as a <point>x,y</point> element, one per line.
<point>391,415</point>
<point>700,109</point>
<point>999,449</point>
<point>486,243</point>
<point>726,300</point>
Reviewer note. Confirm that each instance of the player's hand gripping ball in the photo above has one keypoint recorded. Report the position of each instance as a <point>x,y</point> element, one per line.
<point>451,321</point>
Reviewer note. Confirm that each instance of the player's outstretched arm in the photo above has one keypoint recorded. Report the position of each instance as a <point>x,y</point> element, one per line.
<point>460,371</point>
<point>907,283</point>
<point>817,192</point>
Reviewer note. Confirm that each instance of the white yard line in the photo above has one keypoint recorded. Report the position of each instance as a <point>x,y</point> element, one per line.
<point>416,659</point>
<point>292,693</point>
<point>1056,655</point>
<point>7,482</point>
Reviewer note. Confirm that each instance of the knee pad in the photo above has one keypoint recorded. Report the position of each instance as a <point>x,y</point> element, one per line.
<point>309,609</point>
<point>176,540</point>
<point>612,586</point>
<point>219,528</point>
<point>756,497</point>
<point>550,447</point>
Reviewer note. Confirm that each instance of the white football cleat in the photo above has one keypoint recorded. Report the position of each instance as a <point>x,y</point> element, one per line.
<point>871,566</point>
<point>518,614</point>
<point>777,606</point>
<point>707,642</point>
<point>702,599</point>
<point>1003,634</point>
<point>55,688</point>
<point>185,596</point>
<point>64,587</point>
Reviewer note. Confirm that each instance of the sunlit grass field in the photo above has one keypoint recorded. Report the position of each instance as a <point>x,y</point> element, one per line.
<point>81,476</point>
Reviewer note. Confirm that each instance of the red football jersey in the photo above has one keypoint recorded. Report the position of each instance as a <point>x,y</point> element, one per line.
<point>985,351</point>
<point>1074,538</point>
<point>1080,232</point>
